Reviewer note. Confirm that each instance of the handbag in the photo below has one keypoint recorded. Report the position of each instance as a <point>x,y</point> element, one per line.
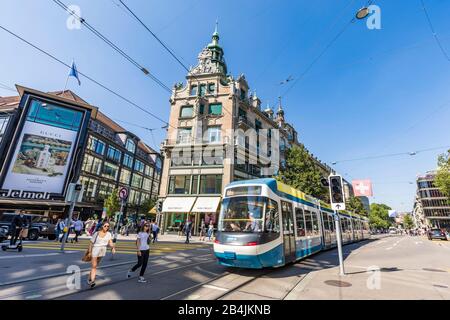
<point>24,233</point>
<point>87,257</point>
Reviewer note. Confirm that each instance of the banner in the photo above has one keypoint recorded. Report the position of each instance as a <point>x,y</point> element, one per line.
<point>362,188</point>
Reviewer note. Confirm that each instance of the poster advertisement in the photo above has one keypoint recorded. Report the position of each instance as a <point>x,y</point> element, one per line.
<point>41,160</point>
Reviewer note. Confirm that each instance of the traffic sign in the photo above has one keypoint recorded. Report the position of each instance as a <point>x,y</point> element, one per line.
<point>337,198</point>
<point>123,193</point>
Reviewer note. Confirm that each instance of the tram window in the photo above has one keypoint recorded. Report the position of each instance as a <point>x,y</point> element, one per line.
<point>315,224</point>
<point>272,222</point>
<point>308,223</point>
<point>325,221</point>
<point>286,208</point>
<point>300,219</point>
<point>331,222</point>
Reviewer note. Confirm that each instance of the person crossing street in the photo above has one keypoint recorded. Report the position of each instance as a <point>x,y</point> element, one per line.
<point>143,252</point>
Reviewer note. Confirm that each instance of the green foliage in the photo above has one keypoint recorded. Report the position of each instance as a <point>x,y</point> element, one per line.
<point>112,203</point>
<point>148,205</point>
<point>302,173</point>
<point>355,204</point>
<point>408,222</point>
<point>442,179</point>
<point>379,216</point>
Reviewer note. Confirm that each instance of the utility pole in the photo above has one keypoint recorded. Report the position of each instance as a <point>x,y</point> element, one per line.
<point>74,195</point>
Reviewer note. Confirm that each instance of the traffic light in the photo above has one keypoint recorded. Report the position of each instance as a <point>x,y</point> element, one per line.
<point>159,206</point>
<point>336,190</point>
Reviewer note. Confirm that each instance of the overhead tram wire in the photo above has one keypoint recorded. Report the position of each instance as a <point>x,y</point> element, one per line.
<point>410,153</point>
<point>155,36</point>
<point>170,51</point>
<point>6,87</point>
<point>322,53</point>
<point>438,41</point>
<point>86,76</point>
<point>113,46</point>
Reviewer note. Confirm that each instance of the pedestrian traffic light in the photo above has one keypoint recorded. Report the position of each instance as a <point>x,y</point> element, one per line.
<point>337,192</point>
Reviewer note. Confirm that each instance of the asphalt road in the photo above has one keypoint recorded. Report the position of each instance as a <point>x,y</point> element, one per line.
<point>409,268</point>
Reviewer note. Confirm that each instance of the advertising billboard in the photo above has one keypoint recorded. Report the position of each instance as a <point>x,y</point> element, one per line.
<point>44,149</point>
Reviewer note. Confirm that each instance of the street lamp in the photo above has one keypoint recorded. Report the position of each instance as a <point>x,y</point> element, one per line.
<point>362,13</point>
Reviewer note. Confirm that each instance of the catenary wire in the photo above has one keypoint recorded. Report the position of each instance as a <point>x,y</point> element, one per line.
<point>113,46</point>
<point>86,76</point>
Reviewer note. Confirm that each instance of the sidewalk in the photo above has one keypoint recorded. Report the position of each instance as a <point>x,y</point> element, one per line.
<point>401,267</point>
<point>161,238</point>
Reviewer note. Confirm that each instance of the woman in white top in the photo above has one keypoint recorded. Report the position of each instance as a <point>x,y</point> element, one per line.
<point>143,252</point>
<point>97,249</point>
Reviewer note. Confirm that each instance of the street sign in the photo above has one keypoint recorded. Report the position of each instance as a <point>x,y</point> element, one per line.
<point>337,198</point>
<point>123,193</point>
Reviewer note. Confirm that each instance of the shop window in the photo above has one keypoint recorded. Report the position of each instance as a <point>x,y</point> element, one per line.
<point>179,184</point>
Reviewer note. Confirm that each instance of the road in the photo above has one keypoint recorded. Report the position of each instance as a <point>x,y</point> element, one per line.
<point>393,267</point>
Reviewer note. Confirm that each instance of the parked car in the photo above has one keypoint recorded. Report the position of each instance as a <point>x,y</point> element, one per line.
<point>38,226</point>
<point>3,234</point>
<point>437,234</point>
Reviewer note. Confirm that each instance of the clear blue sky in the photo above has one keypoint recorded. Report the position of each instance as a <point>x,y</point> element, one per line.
<point>374,91</point>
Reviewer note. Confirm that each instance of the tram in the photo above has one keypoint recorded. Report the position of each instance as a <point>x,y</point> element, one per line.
<point>264,223</point>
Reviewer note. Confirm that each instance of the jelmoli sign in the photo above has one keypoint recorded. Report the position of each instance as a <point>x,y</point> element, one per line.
<point>21,194</point>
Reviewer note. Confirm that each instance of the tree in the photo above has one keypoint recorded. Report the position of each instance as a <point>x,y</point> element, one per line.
<point>302,173</point>
<point>408,222</point>
<point>442,179</point>
<point>355,204</point>
<point>379,216</point>
<point>148,205</point>
<point>112,203</point>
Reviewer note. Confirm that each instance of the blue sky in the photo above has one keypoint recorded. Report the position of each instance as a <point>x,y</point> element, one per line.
<point>373,92</point>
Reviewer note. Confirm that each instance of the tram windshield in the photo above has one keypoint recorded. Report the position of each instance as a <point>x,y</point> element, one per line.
<point>247,214</point>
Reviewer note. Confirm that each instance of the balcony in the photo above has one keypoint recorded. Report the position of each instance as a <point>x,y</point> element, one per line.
<point>244,124</point>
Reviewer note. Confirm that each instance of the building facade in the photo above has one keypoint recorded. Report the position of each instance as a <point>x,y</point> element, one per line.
<point>431,208</point>
<point>218,133</point>
<point>113,157</point>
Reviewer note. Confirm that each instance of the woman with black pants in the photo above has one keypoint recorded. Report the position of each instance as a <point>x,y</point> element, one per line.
<point>143,252</point>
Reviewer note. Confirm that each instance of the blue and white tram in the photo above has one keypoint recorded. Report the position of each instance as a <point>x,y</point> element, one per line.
<point>265,223</point>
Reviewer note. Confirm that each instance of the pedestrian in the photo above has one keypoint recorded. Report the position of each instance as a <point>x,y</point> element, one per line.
<point>181,229</point>
<point>210,230</point>
<point>58,229</point>
<point>62,228</point>
<point>97,250</point>
<point>202,230</point>
<point>187,229</point>
<point>78,228</point>
<point>17,224</point>
<point>155,231</point>
<point>143,252</point>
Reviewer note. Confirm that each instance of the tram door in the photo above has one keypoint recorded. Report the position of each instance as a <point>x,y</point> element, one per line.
<point>288,231</point>
<point>326,230</point>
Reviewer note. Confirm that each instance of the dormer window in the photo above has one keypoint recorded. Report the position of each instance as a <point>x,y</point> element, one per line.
<point>202,90</point>
<point>193,90</point>
<point>211,88</point>
<point>130,145</point>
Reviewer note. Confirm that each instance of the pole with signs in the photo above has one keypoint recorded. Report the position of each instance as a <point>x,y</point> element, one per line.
<point>74,195</point>
<point>123,196</point>
<point>337,200</point>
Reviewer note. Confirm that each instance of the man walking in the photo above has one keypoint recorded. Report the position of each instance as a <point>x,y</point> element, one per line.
<point>187,229</point>
<point>155,230</point>
<point>78,227</point>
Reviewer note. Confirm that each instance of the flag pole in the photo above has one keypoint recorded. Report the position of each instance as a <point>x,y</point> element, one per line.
<point>65,86</point>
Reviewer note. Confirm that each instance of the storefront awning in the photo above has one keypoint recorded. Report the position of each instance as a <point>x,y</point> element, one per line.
<point>178,204</point>
<point>206,204</point>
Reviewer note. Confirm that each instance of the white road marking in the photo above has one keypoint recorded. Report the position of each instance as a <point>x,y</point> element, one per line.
<point>215,287</point>
<point>35,255</point>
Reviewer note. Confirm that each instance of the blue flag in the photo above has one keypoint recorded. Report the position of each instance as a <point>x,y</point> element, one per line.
<point>74,72</point>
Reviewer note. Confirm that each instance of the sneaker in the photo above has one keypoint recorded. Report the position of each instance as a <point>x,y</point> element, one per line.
<point>142,280</point>
<point>91,283</point>
<point>129,274</point>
